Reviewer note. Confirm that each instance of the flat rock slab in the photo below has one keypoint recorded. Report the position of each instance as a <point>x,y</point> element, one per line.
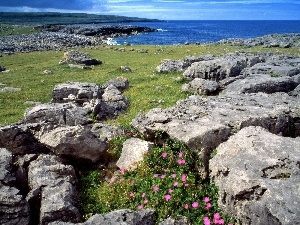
<point>258,177</point>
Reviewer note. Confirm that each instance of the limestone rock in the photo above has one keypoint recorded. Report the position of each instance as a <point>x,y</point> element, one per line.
<point>75,142</point>
<point>118,217</point>
<point>78,57</point>
<point>121,83</point>
<point>13,207</point>
<point>201,86</point>
<point>53,189</point>
<point>258,177</point>
<point>132,153</point>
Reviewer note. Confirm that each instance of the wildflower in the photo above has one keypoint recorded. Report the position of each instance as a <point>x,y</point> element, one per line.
<point>217,219</point>
<point>180,154</point>
<point>183,177</point>
<point>140,207</point>
<point>195,205</point>
<point>181,161</point>
<point>206,199</point>
<point>173,175</point>
<point>163,176</point>
<point>186,185</point>
<point>208,206</point>
<point>122,179</point>
<point>132,182</point>
<point>122,170</point>
<point>143,195</point>
<point>131,195</point>
<point>145,201</point>
<point>164,154</point>
<point>146,152</point>
<point>155,175</point>
<point>206,220</point>
<point>186,206</point>
<point>155,188</point>
<point>167,197</point>
<point>171,191</point>
<point>175,184</point>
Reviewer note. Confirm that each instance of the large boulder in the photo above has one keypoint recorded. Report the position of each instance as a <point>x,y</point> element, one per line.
<point>118,217</point>
<point>258,177</point>
<point>58,114</point>
<point>53,195</point>
<point>221,67</point>
<point>75,142</point>
<point>13,207</point>
<point>201,86</point>
<point>133,152</point>
<point>75,56</point>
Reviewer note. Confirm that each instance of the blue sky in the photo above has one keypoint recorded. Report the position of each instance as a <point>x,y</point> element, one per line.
<point>167,9</point>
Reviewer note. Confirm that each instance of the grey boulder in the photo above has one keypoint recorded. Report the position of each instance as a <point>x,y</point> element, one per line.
<point>258,177</point>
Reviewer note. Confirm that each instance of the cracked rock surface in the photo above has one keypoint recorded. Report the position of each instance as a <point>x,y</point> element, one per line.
<point>258,177</point>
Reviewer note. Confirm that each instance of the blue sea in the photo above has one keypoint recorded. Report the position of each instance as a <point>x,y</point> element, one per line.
<point>193,31</point>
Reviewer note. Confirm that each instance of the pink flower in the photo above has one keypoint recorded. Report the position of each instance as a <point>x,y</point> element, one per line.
<point>175,184</point>
<point>206,199</point>
<point>208,206</point>
<point>171,191</point>
<point>122,170</point>
<point>143,195</point>
<point>206,220</point>
<point>186,206</point>
<point>195,205</point>
<point>140,207</point>
<point>131,195</point>
<point>155,188</point>
<point>181,161</point>
<point>173,175</point>
<point>155,175</point>
<point>180,154</point>
<point>183,177</point>
<point>167,197</point>
<point>146,152</point>
<point>163,176</point>
<point>217,216</point>
<point>186,185</point>
<point>164,154</point>
<point>132,182</point>
<point>122,179</point>
<point>145,201</point>
<point>200,187</point>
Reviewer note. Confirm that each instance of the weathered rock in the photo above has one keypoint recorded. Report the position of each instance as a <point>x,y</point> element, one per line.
<point>168,65</point>
<point>113,103</point>
<point>121,83</point>
<point>261,83</point>
<point>180,221</point>
<point>2,68</point>
<point>58,113</point>
<point>20,139</point>
<point>9,89</point>
<point>295,92</point>
<point>82,92</point>
<point>258,177</point>
<point>78,57</point>
<point>53,195</point>
<point>76,143</point>
<point>13,207</point>
<point>118,217</point>
<point>133,152</point>
<point>47,72</point>
<point>126,68</point>
<point>106,131</point>
<point>201,86</point>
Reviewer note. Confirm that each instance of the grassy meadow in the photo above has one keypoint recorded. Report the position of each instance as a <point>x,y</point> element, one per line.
<point>147,86</point>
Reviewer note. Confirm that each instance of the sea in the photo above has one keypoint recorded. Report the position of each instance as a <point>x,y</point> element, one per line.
<point>206,31</point>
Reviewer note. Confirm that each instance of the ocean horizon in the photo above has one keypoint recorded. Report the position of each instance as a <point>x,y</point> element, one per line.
<point>207,31</point>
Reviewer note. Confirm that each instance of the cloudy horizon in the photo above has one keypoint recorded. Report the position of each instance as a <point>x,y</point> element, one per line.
<point>166,9</point>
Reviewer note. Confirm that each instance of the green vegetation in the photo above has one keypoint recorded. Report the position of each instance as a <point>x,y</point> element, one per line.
<point>167,181</point>
<point>162,167</point>
<point>44,18</point>
<point>6,30</point>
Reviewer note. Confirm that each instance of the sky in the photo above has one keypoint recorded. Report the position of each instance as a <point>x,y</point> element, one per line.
<point>166,9</point>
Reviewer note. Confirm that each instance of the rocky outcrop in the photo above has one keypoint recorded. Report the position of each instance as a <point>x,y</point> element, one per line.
<point>258,177</point>
<point>133,152</point>
<point>118,217</point>
<point>55,193</point>
<point>13,207</point>
<point>77,57</point>
<point>269,41</point>
<point>201,86</point>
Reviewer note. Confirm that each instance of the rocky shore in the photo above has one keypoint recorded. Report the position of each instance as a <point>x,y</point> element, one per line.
<point>243,105</point>
<point>60,37</point>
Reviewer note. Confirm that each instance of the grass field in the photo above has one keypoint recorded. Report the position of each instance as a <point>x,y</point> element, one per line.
<point>146,85</point>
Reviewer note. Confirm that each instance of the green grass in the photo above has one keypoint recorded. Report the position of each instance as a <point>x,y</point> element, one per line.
<point>146,85</point>
<point>6,30</point>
